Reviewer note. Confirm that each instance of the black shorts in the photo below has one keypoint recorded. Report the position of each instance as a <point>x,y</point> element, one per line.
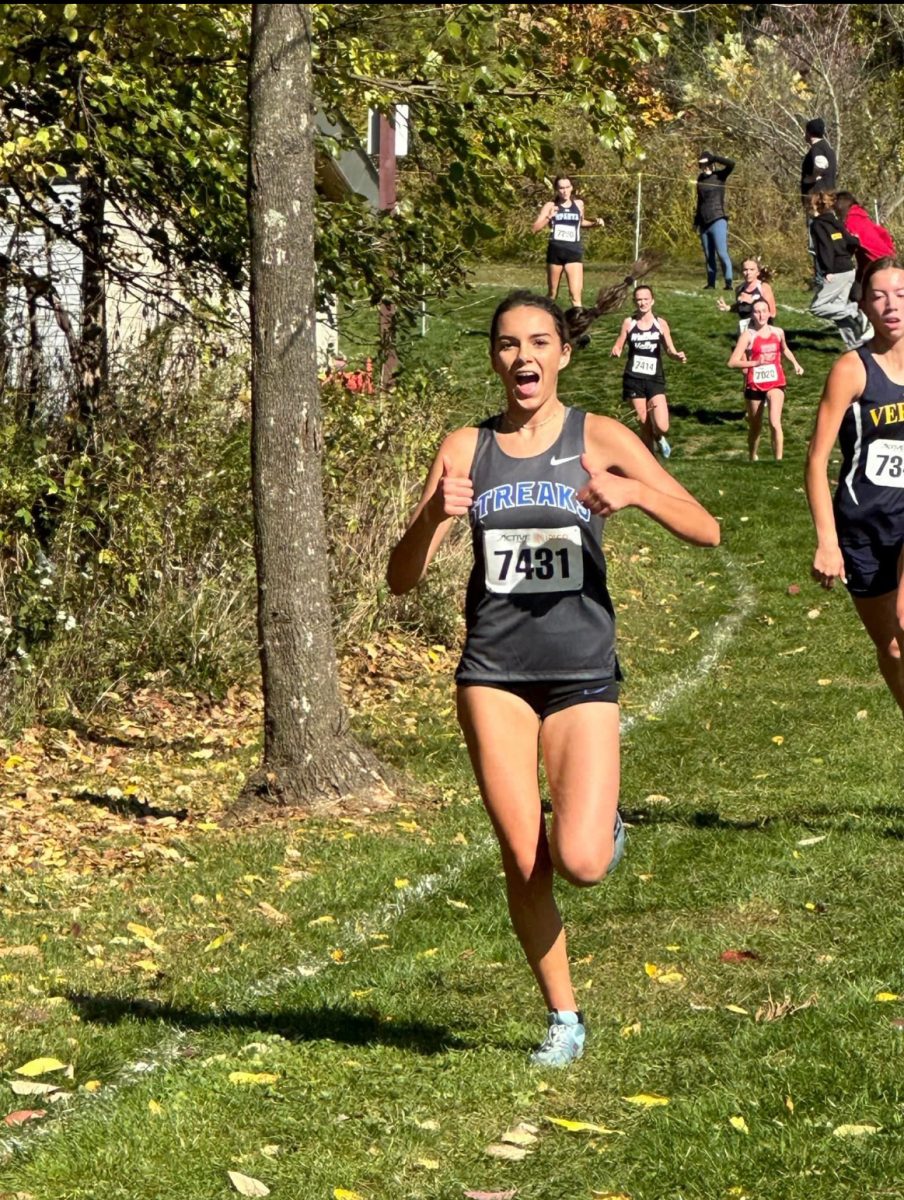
<point>642,387</point>
<point>871,568</point>
<point>560,254</point>
<point>548,698</point>
<point>756,394</point>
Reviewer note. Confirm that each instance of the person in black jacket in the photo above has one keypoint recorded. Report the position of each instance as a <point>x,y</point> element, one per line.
<point>834,248</point>
<point>710,219</point>
<point>817,174</point>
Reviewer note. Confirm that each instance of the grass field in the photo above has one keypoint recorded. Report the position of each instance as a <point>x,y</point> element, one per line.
<point>336,1007</point>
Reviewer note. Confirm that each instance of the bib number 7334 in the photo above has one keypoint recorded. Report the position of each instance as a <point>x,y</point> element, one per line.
<point>885,462</point>
<point>531,561</point>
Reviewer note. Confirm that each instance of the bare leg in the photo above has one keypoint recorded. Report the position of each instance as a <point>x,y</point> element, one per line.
<point>879,615</point>
<point>553,277</point>
<point>658,408</point>
<point>581,752</point>
<point>574,274</point>
<point>754,427</point>
<point>776,398</point>
<point>644,420</point>
<point>501,732</point>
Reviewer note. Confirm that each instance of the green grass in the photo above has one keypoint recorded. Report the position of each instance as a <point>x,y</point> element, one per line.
<point>398,1031</point>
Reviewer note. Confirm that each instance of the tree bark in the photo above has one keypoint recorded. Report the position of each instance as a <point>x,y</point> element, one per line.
<point>92,366</point>
<point>309,755</point>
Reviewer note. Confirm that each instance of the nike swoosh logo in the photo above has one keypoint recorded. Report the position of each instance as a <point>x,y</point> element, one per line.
<point>557,462</point>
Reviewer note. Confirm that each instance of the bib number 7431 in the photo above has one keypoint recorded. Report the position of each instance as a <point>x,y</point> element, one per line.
<point>529,561</point>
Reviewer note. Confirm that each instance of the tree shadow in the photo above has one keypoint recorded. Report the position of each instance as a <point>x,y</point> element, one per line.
<point>296,1025</point>
<point>817,818</point>
<point>707,416</point>
<point>132,806</point>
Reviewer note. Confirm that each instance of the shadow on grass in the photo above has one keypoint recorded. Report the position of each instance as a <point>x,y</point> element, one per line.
<point>707,416</point>
<point>132,806</point>
<point>811,818</point>
<point>296,1025</point>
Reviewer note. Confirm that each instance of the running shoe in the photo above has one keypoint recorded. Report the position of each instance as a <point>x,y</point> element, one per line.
<point>664,448</point>
<point>564,1041</point>
<point>729,286</point>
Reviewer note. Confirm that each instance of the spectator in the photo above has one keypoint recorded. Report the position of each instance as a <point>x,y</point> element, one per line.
<point>875,240</point>
<point>710,219</point>
<point>819,166</point>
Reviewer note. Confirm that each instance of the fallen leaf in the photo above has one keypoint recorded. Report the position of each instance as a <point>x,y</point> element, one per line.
<point>733,956</point>
<point>430,1125</point>
<point>789,1104</point>
<point>886,997</point>
<point>855,1130</point>
<point>402,883</point>
<point>779,740</point>
<point>155,1107</point>
<point>246,1186</point>
<point>501,1150</point>
<point>345,1194</point>
<point>739,1124</point>
<point>518,1137</point>
<point>611,1195</point>
<point>427,1164</point>
<point>774,1010</point>
<point>813,613</point>
<point>813,841</point>
<point>140,931</point>
<point>631,1030</point>
<point>736,1008</point>
<point>509,1195</point>
<point>271,913</point>
<point>646,1099</point>
<point>93,1085</point>
<point>41,1066</point>
<point>457,904</point>
<point>251,1077</point>
<point>793,589</point>
<point>326,919</point>
<point>219,941</point>
<point>24,1114</point>
<point>581,1126</point>
<point>23,1087</point>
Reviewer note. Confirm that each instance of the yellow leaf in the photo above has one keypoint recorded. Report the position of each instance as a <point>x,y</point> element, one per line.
<point>886,997</point>
<point>337,955</point>
<point>93,1085</point>
<point>427,1164</point>
<point>40,1066</point>
<point>13,761</point>
<point>855,1130</point>
<point>736,1008</point>
<point>140,931</point>
<point>148,964</point>
<point>360,993</point>
<point>738,1123</point>
<point>581,1126</point>
<point>457,903</point>
<point>219,941</point>
<point>673,947</point>
<point>155,1108</point>
<point>631,1030</point>
<point>207,826</point>
<point>434,950</point>
<point>402,883</point>
<point>251,1077</point>
<point>646,1099</point>
<point>789,1104</point>
<point>408,826</point>
<point>779,740</point>
<point>345,1194</point>
<point>611,1195</point>
<point>326,919</point>
<point>670,978</point>
<point>651,969</point>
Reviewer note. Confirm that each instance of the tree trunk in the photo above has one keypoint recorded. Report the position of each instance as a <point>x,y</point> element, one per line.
<point>91,368</point>
<point>308,753</point>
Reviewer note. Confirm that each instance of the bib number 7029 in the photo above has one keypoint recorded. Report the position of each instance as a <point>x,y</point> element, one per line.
<point>534,560</point>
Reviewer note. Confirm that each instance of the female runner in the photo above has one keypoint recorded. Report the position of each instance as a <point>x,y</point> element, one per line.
<point>756,286</point>
<point>759,351</point>
<point>564,217</point>
<point>643,383</point>
<point>860,535</point>
<point>539,671</point>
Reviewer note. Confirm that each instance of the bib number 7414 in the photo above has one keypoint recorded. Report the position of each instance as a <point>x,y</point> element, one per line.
<point>529,561</point>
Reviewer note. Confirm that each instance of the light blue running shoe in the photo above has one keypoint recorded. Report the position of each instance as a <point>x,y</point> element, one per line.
<point>618,848</point>
<point>564,1041</point>
<point>664,448</point>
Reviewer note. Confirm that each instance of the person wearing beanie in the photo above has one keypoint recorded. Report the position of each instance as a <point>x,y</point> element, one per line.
<point>819,166</point>
<point>710,218</point>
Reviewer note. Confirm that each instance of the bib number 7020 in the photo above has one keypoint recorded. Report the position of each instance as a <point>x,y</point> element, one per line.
<point>533,560</point>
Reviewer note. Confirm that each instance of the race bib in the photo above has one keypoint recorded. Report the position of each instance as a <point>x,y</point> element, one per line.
<point>765,373</point>
<point>564,233</point>
<point>885,463</point>
<point>643,364</point>
<point>528,561</point>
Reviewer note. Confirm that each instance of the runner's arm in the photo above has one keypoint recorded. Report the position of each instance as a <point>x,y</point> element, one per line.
<point>739,354</point>
<point>786,350</point>
<point>543,218</point>
<point>624,474</point>
<point>447,494</point>
<point>670,350</point>
<point>846,381</point>
<point>621,339</point>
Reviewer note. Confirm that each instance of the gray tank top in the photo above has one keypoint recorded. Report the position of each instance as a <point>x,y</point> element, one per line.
<point>537,606</point>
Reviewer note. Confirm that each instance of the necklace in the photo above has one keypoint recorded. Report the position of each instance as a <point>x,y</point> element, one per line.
<point>506,420</point>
